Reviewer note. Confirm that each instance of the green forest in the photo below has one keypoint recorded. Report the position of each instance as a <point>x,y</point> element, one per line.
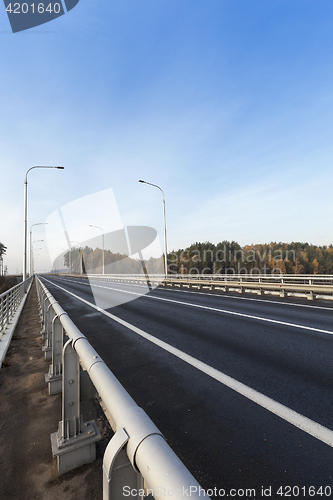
<point>208,258</point>
<point>231,258</point>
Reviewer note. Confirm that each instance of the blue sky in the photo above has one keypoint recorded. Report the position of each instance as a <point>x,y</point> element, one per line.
<point>226,104</point>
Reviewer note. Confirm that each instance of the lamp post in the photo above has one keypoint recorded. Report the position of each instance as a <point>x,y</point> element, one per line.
<point>30,240</point>
<point>90,225</point>
<point>25,218</point>
<point>165,234</point>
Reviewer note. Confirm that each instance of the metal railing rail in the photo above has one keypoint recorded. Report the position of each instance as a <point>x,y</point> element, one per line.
<point>148,461</point>
<point>256,278</point>
<point>10,302</point>
<point>311,285</point>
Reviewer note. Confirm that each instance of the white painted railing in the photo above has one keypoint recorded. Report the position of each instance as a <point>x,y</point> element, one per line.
<point>310,285</point>
<point>255,278</point>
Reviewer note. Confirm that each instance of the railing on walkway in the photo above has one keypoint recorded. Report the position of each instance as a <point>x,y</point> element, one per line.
<point>148,461</point>
<point>11,303</point>
<point>310,285</point>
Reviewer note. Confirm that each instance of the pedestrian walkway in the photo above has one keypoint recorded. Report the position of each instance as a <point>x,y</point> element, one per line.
<point>28,415</point>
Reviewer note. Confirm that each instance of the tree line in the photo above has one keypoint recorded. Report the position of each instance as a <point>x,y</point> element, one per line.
<point>271,258</point>
<point>87,260</point>
<point>226,257</point>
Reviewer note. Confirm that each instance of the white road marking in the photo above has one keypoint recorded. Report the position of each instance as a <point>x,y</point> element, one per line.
<point>215,309</point>
<point>300,421</point>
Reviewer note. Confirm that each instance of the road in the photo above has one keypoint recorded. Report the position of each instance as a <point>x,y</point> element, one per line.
<point>241,387</point>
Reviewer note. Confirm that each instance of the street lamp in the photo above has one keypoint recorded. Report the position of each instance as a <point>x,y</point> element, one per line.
<point>97,227</point>
<point>165,235</point>
<point>25,218</point>
<point>37,224</point>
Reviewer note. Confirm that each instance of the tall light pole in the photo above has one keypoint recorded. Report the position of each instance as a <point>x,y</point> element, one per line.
<point>97,227</point>
<point>165,234</point>
<point>25,218</point>
<point>30,240</point>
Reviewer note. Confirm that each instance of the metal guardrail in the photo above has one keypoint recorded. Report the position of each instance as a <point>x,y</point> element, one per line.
<point>309,285</point>
<point>11,304</point>
<point>148,465</point>
<point>255,278</point>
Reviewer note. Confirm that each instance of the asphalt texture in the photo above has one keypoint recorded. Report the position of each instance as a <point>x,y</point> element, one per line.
<point>28,415</point>
<point>283,348</point>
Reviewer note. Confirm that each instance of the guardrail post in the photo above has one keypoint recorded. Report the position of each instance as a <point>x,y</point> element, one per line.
<point>7,308</point>
<point>118,470</point>
<point>40,295</point>
<point>47,348</point>
<point>45,305</point>
<point>2,315</point>
<point>54,376</point>
<point>74,444</point>
<point>310,295</point>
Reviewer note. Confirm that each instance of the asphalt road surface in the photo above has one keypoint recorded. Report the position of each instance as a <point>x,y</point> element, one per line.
<point>240,386</point>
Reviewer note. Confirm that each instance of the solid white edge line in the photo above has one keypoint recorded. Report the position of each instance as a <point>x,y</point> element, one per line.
<point>307,425</point>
